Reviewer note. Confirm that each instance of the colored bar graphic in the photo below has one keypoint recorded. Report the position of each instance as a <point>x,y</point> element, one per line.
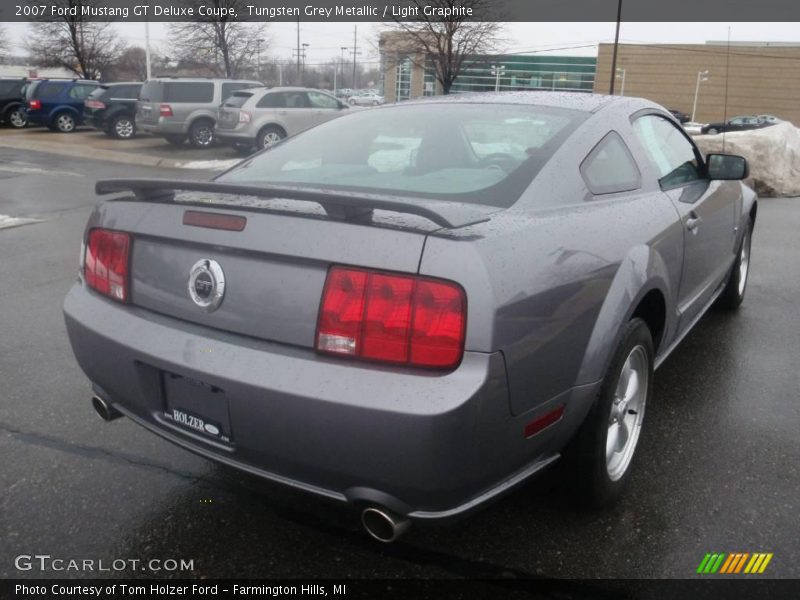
<point>734,563</point>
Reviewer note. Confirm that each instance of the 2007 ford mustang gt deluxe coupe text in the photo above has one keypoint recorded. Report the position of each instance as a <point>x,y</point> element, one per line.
<point>414,308</point>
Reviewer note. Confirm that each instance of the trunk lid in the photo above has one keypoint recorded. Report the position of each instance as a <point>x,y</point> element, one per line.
<point>274,269</point>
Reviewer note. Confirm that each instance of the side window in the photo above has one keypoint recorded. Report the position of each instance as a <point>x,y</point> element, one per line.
<point>610,168</point>
<point>322,100</point>
<point>189,91</point>
<point>81,92</point>
<point>674,157</point>
<point>272,100</point>
<point>48,90</point>
<point>296,100</point>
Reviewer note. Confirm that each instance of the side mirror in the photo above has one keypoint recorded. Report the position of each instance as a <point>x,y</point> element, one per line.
<point>727,167</point>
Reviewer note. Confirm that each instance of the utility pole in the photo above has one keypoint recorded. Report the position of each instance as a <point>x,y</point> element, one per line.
<point>621,75</point>
<point>304,60</point>
<point>341,62</point>
<point>298,46</point>
<point>147,48</point>
<point>355,54</point>
<point>701,76</point>
<point>614,55</point>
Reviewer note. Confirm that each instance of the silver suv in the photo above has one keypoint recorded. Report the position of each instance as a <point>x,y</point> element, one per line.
<point>261,117</point>
<point>177,108</point>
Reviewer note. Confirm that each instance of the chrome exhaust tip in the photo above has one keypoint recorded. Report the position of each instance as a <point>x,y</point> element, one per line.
<point>104,409</point>
<point>383,525</point>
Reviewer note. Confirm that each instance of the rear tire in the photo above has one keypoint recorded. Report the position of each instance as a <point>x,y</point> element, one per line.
<point>64,122</point>
<point>269,136</point>
<point>733,294</point>
<point>201,134</point>
<point>175,140</point>
<point>602,452</point>
<point>122,128</point>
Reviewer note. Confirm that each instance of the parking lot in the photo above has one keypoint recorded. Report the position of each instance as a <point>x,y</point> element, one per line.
<point>717,469</point>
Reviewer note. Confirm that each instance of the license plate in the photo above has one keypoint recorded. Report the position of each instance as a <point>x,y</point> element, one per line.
<point>196,406</point>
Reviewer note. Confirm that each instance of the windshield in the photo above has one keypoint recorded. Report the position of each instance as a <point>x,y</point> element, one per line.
<point>477,153</point>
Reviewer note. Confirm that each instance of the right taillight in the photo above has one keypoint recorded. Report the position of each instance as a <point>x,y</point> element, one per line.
<point>165,110</point>
<point>391,318</point>
<point>96,104</point>
<point>244,116</point>
<point>34,104</point>
<point>106,263</point>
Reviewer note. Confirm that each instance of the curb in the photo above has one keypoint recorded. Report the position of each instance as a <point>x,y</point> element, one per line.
<point>91,153</point>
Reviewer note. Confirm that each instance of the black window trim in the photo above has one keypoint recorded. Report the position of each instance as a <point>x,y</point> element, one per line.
<point>606,190</point>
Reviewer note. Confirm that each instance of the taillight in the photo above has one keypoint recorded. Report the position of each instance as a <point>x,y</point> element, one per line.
<point>165,110</point>
<point>105,265</point>
<point>34,104</point>
<point>244,117</point>
<point>399,319</point>
<point>94,104</point>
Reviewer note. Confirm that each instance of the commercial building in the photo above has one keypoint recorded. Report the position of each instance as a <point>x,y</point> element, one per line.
<point>740,79</point>
<point>404,76</point>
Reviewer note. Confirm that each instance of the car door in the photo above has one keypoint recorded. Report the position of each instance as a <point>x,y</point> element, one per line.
<point>297,113</point>
<point>325,107</point>
<point>707,210</point>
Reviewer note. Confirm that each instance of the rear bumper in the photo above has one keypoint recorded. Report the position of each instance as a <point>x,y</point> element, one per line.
<point>163,127</point>
<point>428,446</point>
<point>231,136</point>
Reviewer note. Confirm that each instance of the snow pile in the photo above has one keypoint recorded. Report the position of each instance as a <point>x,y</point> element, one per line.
<point>6,221</point>
<point>773,154</point>
<point>211,165</point>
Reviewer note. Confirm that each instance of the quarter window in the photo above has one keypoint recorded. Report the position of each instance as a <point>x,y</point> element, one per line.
<point>272,100</point>
<point>674,157</point>
<point>189,91</point>
<point>610,168</point>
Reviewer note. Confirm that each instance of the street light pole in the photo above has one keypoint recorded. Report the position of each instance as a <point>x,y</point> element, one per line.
<point>341,61</point>
<point>497,71</point>
<point>147,48</point>
<point>701,76</point>
<point>621,75</point>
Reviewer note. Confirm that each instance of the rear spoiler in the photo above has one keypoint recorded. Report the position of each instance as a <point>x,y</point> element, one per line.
<point>338,205</point>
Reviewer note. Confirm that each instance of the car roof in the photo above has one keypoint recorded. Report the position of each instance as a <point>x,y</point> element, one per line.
<point>569,100</point>
<point>202,79</point>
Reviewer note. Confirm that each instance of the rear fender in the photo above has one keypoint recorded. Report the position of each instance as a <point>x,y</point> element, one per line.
<point>640,272</point>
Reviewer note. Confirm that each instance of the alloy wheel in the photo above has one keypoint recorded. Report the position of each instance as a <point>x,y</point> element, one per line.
<point>744,262</point>
<point>65,123</point>
<point>17,119</point>
<point>627,412</point>
<point>123,128</point>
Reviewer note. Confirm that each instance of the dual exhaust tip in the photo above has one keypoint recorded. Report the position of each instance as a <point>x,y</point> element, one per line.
<point>380,523</point>
<point>104,409</point>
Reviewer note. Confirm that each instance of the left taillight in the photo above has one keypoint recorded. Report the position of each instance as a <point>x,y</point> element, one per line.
<point>106,263</point>
<point>96,104</point>
<point>392,318</point>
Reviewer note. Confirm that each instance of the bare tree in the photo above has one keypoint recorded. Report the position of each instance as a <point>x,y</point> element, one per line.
<point>74,42</point>
<point>445,43</point>
<point>228,46</point>
<point>5,45</point>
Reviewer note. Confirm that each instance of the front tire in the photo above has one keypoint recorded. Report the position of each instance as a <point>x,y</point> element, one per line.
<point>733,294</point>
<point>64,123</point>
<point>602,452</point>
<point>712,131</point>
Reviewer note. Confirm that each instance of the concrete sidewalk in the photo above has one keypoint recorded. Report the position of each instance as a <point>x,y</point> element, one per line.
<point>143,150</point>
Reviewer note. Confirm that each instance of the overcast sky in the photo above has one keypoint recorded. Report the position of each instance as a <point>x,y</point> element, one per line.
<point>326,39</point>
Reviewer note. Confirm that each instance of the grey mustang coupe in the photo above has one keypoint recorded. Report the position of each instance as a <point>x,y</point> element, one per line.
<point>415,308</point>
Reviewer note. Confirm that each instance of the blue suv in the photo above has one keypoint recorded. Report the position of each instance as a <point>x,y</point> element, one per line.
<point>58,103</point>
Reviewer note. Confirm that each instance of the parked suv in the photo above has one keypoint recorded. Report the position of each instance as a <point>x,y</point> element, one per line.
<point>12,101</point>
<point>262,117</point>
<point>177,108</point>
<point>112,108</point>
<point>58,103</point>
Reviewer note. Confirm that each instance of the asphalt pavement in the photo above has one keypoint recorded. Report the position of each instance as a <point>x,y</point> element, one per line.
<point>717,469</point>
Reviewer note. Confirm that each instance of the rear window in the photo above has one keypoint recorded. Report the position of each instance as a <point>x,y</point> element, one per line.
<point>232,86</point>
<point>237,100</point>
<point>152,91</point>
<point>472,153</point>
<point>100,93</point>
<point>46,89</point>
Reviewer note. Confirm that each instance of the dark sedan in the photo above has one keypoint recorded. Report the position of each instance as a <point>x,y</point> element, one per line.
<point>414,308</point>
<point>682,117</point>
<point>735,124</point>
<point>111,108</point>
